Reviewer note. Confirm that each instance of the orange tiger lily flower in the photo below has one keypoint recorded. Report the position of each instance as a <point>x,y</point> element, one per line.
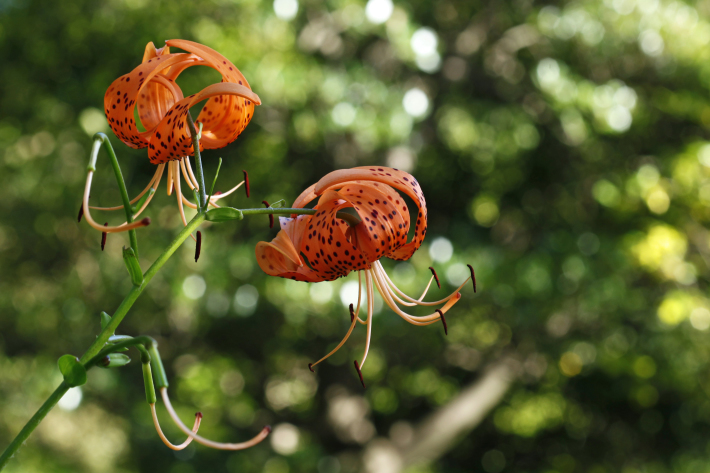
<point>150,91</point>
<point>323,247</point>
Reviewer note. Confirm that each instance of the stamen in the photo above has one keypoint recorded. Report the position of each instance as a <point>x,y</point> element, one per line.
<point>178,190</point>
<point>103,237</point>
<point>210,443</point>
<point>357,367</point>
<point>198,246</point>
<point>246,179</point>
<point>81,213</point>
<point>436,277</point>
<point>158,174</point>
<point>96,226</point>
<point>271,216</point>
<point>443,320</point>
<point>352,313</point>
<point>342,342</point>
<point>195,427</point>
<point>473,277</point>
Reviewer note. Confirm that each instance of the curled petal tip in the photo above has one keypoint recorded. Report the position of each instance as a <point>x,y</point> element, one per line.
<point>473,277</point>
<point>436,276</point>
<point>443,320</point>
<point>310,367</point>
<point>357,367</point>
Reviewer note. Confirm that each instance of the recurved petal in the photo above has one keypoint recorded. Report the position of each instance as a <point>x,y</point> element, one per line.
<point>152,52</point>
<point>171,138</point>
<point>400,180</point>
<point>305,197</point>
<point>278,256</point>
<point>328,244</point>
<point>223,65</point>
<point>384,227</point>
<point>120,98</point>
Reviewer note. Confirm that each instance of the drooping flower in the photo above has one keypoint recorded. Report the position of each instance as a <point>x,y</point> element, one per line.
<point>324,247</point>
<point>151,93</point>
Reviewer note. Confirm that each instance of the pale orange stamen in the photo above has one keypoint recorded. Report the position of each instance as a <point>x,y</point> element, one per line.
<point>195,427</point>
<point>206,442</point>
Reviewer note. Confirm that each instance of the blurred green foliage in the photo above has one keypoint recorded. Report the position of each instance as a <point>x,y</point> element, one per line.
<point>562,150</point>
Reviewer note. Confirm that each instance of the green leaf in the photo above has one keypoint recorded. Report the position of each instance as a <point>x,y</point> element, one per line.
<point>278,204</point>
<point>73,371</point>
<point>105,320</point>
<point>133,266</point>
<point>224,214</point>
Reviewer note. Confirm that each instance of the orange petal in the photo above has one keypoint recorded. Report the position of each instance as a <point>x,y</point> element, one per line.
<point>281,258</point>
<point>120,98</point>
<point>223,65</point>
<point>401,180</point>
<point>384,228</point>
<point>328,244</point>
<point>171,139</point>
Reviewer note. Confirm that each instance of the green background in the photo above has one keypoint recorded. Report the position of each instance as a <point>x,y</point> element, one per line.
<point>562,153</point>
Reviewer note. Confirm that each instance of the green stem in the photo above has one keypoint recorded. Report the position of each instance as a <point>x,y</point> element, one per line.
<point>198,161</point>
<point>348,217</point>
<point>136,291</point>
<point>103,337</point>
<point>102,139</point>
<point>32,424</point>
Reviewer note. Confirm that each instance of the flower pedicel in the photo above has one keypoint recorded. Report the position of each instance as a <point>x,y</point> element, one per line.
<point>324,247</point>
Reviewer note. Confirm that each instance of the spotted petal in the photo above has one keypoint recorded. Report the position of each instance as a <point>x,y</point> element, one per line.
<point>172,139</point>
<point>400,180</point>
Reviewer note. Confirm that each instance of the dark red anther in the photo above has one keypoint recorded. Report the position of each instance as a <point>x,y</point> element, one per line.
<point>436,276</point>
<point>473,277</point>
<point>81,213</point>
<point>267,428</point>
<point>146,221</point>
<point>310,367</point>
<point>198,245</point>
<point>103,237</point>
<point>218,193</point>
<point>352,314</point>
<point>246,181</point>
<point>271,216</point>
<point>198,415</point>
<point>357,367</point>
<point>443,320</point>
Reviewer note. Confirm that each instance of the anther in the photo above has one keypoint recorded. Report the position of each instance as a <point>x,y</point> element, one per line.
<point>198,246</point>
<point>246,181</point>
<point>310,367</point>
<point>198,415</point>
<point>352,314</point>
<point>103,237</point>
<point>146,221</point>
<point>436,276</point>
<point>81,213</point>
<point>473,277</point>
<point>267,428</point>
<point>443,320</point>
<point>271,216</point>
<point>357,367</point>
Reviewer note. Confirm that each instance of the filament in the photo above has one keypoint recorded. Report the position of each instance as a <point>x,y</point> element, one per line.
<point>206,442</point>
<point>196,425</point>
